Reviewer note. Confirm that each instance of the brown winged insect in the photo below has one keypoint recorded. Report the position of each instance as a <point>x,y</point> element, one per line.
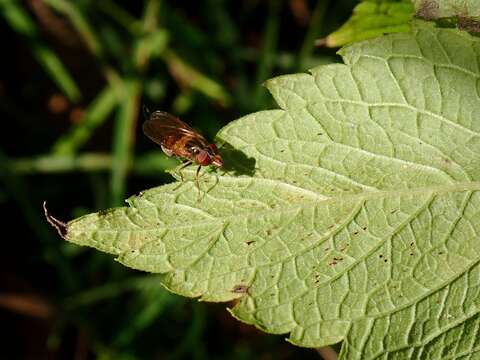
<point>178,139</point>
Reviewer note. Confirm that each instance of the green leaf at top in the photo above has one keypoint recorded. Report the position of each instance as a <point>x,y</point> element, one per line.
<point>371,19</point>
<point>352,213</point>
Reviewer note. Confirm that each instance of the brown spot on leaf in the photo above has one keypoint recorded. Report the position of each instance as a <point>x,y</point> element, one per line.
<point>249,242</point>
<point>468,24</point>
<point>428,9</point>
<point>346,246</point>
<point>240,289</point>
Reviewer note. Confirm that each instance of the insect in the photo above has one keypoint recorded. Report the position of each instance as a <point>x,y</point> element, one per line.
<point>178,139</point>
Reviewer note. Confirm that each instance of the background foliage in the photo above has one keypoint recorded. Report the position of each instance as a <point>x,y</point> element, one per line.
<point>73,77</point>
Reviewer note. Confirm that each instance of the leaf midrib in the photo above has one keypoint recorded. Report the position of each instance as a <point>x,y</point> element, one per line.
<point>457,187</point>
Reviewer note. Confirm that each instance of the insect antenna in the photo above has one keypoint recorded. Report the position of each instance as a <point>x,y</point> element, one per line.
<point>146,112</point>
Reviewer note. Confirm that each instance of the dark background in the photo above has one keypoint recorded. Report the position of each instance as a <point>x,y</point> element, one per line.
<point>61,301</point>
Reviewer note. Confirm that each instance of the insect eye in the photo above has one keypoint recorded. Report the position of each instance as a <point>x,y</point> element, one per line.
<point>194,150</point>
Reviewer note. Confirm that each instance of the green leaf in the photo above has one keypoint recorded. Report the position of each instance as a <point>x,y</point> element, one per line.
<point>371,19</point>
<point>352,213</point>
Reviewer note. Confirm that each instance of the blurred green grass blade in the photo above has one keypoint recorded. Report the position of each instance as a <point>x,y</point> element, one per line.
<point>154,162</point>
<point>151,163</point>
<point>86,32</point>
<point>150,15</point>
<point>155,40</point>
<point>313,33</point>
<point>74,14</point>
<point>123,140</point>
<point>189,76</point>
<point>267,57</point>
<point>61,163</point>
<point>112,289</point>
<point>152,303</point>
<point>120,15</point>
<point>57,71</point>
<point>95,115</point>
<point>18,18</point>
<point>150,46</point>
<point>20,21</point>
<point>191,343</point>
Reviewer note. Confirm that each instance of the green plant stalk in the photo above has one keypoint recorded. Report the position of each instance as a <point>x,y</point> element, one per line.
<point>190,77</point>
<point>155,40</point>
<point>183,72</point>
<point>155,300</point>
<point>110,290</point>
<point>150,163</point>
<point>21,22</point>
<point>267,56</point>
<point>120,15</point>
<point>316,23</point>
<point>150,15</point>
<point>190,343</point>
<point>95,115</point>
<point>73,13</point>
<point>57,71</point>
<point>123,140</point>
<point>86,32</point>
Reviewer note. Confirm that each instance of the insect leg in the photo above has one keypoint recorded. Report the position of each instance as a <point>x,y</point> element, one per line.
<point>177,171</point>
<point>196,179</point>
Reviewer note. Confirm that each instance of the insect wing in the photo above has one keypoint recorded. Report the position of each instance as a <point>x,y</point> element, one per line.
<point>166,129</point>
